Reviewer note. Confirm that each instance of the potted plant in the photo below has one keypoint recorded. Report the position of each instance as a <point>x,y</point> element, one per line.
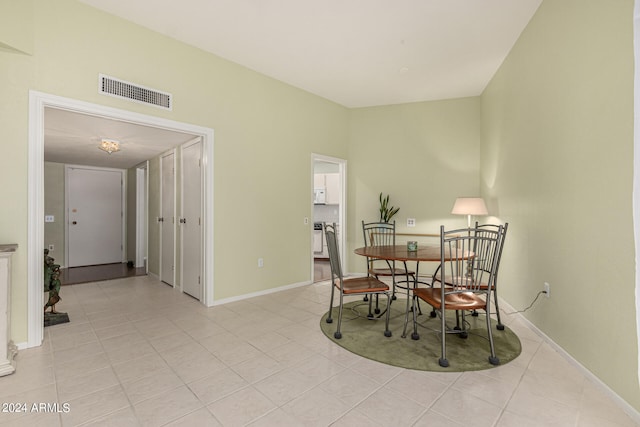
<point>386,212</point>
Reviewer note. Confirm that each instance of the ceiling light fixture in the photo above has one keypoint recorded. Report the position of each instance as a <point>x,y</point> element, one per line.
<point>109,146</point>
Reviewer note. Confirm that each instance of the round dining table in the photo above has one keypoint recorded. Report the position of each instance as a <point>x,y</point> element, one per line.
<point>429,253</point>
<point>400,253</point>
<point>403,254</point>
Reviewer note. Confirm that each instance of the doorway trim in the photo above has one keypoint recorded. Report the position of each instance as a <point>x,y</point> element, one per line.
<point>342,211</point>
<point>38,101</point>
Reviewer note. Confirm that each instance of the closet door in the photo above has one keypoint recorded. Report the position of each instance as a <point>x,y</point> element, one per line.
<point>191,221</point>
<point>167,220</point>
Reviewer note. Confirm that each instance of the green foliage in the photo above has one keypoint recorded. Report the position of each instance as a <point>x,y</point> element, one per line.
<point>386,212</point>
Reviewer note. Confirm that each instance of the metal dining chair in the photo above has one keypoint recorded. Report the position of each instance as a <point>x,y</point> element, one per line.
<point>503,236</point>
<point>384,234</point>
<point>503,233</point>
<point>467,261</point>
<point>355,286</point>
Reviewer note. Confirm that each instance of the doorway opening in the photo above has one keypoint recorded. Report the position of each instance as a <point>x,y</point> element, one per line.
<point>329,201</point>
<point>38,102</point>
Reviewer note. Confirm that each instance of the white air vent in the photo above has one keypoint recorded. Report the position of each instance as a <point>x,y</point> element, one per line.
<point>133,92</point>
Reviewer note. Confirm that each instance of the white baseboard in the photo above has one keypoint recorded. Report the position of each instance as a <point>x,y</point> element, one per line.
<point>260,293</point>
<point>22,345</point>
<point>626,407</point>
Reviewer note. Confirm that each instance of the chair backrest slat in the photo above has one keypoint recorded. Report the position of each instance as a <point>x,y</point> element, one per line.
<point>468,259</point>
<point>503,235</point>
<point>379,234</point>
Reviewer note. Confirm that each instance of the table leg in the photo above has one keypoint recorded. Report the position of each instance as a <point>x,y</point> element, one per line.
<point>410,297</point>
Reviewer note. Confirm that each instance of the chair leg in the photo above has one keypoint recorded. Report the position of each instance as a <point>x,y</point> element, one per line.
<point>414,335</point>
<point>419,308</point>
<point>499,326</point>
<point>337,335</point>
<point>461,325</point>
<point>457,327</point>
<point>406,312</point>
<point>387,331</point>
<point>329,318</point>
<point>443,338</point>
<point>493,359</point>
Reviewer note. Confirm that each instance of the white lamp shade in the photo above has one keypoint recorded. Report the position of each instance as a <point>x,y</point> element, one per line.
<point>469,206</point>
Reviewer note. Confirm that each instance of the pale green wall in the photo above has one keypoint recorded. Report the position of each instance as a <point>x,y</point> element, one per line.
<point>423,155</point>
<point>265,132</point>
<point>557,164</point>
<point>16,26</point>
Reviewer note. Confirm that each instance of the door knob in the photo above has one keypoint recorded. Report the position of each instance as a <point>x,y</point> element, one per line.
<point>74,222</point>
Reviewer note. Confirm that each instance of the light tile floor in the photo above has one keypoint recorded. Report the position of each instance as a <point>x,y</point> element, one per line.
<point>137,352</point>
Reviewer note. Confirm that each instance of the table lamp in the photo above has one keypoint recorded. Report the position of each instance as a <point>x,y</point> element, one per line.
<point>469,206</point>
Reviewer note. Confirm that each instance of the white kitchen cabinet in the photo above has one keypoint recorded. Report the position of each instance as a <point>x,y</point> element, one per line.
<point>319,181</point>
<point>7,349</point>
<point>331,183</point>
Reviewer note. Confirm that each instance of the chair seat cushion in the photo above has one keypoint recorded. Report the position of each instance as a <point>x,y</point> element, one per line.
<point>453,301</point>
<point>359,285</point>
<point>391,272</point>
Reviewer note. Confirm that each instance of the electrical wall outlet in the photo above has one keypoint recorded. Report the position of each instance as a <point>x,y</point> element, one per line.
<point>411,222</point>
<point>547,291</point>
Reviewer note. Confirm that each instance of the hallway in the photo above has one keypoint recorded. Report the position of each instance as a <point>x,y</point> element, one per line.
<point>95,273</point>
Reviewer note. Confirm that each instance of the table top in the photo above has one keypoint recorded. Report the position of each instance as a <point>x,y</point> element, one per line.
<point>401,253</point>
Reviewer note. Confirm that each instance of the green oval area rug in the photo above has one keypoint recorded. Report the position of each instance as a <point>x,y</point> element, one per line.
<point>366,338</point>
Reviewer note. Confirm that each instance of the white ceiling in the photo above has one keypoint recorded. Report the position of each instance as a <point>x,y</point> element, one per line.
<point>356,53</point>
<point>73,138</point>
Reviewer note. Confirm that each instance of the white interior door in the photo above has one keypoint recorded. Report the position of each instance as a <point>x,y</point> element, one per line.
<point>190,222</point>
<point>167,219</point>
<point>95,217</point>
